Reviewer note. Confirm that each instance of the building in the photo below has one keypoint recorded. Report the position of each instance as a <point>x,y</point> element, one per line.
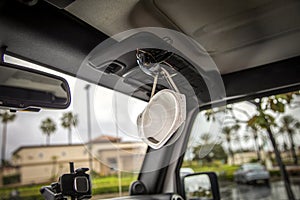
<point>267,157</point>
<point>42,164</point>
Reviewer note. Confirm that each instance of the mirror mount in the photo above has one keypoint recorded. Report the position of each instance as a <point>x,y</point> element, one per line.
<point>203,185</point>
<point>2,52</point>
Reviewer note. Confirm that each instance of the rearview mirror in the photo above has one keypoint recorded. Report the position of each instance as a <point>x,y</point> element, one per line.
<point>22,88</point>
<point>201,186</point>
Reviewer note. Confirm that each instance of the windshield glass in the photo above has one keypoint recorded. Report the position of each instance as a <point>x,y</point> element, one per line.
<point>236,139</point>
<point>92,133</point>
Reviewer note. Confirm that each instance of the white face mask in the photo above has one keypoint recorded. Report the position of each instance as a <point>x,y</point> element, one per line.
<point>164,114</point>
<point>166,110</point>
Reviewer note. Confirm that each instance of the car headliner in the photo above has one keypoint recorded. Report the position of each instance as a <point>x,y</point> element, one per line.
<point>255,44</point>
<point>237,34</point>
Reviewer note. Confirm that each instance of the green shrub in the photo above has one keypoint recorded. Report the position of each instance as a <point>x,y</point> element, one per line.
<point>33,197</point>
<point>225,176</point>
<point>107,190</point>
<point>274,173</point>
<point>253,160</point>
<point>11,179</point>
<point>100,185</point>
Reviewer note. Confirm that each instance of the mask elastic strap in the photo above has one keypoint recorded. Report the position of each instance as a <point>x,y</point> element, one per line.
<point>169,79</point>
<point>154,86</point>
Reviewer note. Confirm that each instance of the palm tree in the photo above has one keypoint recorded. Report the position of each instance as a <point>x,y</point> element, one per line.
<point>205,137</point>
<point>254,131</point>
<point>48,127</point>
<point>68,121</point>
<point>238,139</point>
<point>289,125</point>
<point>6,117</point>
<point>53,171</point>
<point>16,158</point>
<point>228,131</point>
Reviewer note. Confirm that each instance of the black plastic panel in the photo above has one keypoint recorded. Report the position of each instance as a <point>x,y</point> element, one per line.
<point>46,35</point>
<point>273,78</point>
<point>150,197</point>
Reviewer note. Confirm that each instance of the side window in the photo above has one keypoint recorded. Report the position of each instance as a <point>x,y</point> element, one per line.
<point>263,132</point>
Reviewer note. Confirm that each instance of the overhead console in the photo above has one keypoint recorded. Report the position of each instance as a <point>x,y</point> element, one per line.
<point>115,65</point>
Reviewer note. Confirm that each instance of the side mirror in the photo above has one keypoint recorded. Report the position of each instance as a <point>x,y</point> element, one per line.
<point>201,186</point>
<point>28,89</point>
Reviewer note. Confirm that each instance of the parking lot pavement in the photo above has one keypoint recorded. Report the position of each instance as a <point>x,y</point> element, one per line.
<point>232,191</point>
<point>275,191</point>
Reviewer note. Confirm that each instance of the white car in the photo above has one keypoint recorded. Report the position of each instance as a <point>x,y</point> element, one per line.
<point>186,171</point>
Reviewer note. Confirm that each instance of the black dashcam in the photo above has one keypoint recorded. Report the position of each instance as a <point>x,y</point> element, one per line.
<point>76,184</point>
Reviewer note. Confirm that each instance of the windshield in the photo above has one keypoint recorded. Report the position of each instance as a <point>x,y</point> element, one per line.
<point>93,132</point>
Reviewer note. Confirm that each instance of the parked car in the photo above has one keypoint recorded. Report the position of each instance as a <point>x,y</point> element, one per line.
<point>251,173</point>
<point>185,171</point>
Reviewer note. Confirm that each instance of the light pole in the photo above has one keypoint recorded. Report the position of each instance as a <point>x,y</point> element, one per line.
<point>87,87</point>
<point>118,150</point>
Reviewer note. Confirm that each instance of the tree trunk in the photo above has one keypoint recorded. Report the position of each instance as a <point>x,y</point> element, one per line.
<point>230,152</point>
<point>258,152</point>
<point>283,171</point>
<point>286,141</point>
<point>48,139</point>
<point>53,172</point>
<point>257,148</point>
<point>293,152</point>
<point>3,150</point>
<point>242,153</point>
<point>69,136</point>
